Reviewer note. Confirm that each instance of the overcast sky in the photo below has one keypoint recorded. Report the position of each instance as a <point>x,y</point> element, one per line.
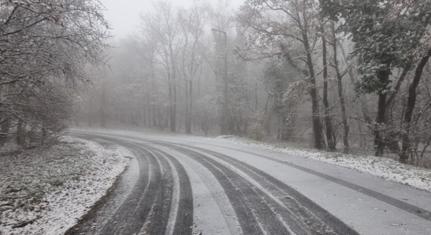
<point>123,15</point>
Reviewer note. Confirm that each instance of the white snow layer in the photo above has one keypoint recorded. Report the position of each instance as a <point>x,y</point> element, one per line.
<point>386,168</point>
<point>47,191</point>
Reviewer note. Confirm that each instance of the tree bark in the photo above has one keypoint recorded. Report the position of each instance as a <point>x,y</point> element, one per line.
<point>411,102</point>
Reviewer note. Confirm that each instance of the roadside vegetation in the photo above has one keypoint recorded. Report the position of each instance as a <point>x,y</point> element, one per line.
<point>44,47</point>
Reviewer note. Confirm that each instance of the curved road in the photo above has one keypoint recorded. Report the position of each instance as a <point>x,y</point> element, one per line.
<point>196,187</point>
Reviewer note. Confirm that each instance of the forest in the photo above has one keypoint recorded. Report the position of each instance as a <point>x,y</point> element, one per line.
<point>336,75</point>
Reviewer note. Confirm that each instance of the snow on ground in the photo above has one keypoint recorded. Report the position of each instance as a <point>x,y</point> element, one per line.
<point>386,168</point>
<point>46,191</point>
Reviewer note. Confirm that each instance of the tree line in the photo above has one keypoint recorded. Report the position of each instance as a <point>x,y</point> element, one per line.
<point>340,74</point>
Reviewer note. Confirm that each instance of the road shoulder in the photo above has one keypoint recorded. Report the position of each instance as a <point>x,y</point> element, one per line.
<point>47,191</point>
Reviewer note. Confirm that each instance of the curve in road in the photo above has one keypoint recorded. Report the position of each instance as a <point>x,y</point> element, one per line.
<point>161,201</point>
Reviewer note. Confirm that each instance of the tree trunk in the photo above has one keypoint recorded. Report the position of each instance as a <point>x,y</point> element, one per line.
<point>190,123</point>
<point>379,139</point>
<point>154,116</point>
<point>147,110</point>
<point>267,116</point>
<point>172,104</point>
<point>189,106</point>
<point>20,133</point>
<point>330,136</point>
<point>173,91</point>
<point>317,124</point>
<point>172,107</point>
<point>411,102</point>
<point>346,127</point>
<point>44,135</point>
<point>316,121</point>
<point>186,115</point>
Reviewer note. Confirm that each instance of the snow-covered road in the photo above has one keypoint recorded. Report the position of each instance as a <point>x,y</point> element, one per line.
<point>185,185</point>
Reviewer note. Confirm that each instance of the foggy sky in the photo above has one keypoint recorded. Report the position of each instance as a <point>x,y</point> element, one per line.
<point>124,15</point>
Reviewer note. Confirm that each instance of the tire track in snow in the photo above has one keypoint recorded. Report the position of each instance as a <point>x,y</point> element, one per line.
<point>147,209</point>
<point>280,220</point>
<point>184,209</point>
<point>255,215</point>
<point>213,212</point>
<point>145,201</point>
<point>148,200</point>
<point>170,226</point>
<point>157,220</point>
<point>153,210</point>
<point>258,211</point>
<point>312,216</point>
<point>122,218</point>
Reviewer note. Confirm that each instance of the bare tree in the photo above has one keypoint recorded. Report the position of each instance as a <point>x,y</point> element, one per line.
<point>164,27</point>
<point>288,25</point>
<point>192,25</point>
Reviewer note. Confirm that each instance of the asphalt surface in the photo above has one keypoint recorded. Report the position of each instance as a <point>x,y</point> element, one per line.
<point>179,187</point>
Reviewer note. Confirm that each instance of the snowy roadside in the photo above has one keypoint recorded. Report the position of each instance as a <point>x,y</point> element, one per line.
<point>47,191</point>
<point>386,168</point>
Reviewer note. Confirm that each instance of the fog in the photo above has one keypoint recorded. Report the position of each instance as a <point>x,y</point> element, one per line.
<point>124,16</point>
<point>315,73</point>
<point>215,117</point>
<point>261,69</point>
